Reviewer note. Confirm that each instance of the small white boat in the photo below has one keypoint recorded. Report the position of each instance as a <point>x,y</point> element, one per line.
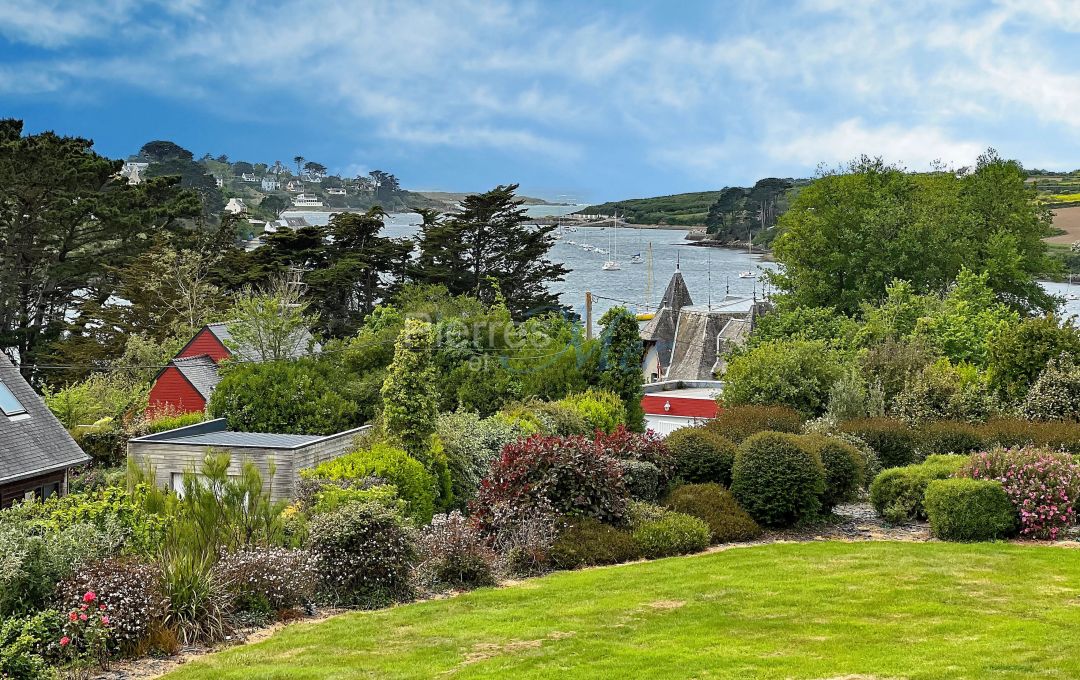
<point>1072,296</point>
<point>747,275</point>
<point>611,266</point>
<point>636,259</point>
<point>602,251</point>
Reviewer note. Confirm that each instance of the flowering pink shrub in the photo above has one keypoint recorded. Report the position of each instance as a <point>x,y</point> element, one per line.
<point>85,639</point>
<point>128,588</point>
<point>1043,486</point>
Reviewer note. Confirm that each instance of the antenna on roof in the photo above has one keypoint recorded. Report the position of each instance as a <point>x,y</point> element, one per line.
<point>727,285</point>
<point>677,253</point>
<point>709,253</point>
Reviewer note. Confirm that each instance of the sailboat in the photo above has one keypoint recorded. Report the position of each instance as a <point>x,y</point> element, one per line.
<point>613,264</point>
<point>749,273</point>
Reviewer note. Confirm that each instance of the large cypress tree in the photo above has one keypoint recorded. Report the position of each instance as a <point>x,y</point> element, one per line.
<point>620,362</point>
<point>485,248</point>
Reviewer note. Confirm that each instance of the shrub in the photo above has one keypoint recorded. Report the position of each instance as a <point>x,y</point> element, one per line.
<point>776,480</point>
<point>197,600</point>
<point>740,422</point>
<point>892,440</point>
<point>897,493</point>
<point>716,506</point>
<point>646,447</point>
<point>453,554</point>
<point>522,535</point>
<point>128,588</point>
<point>264,582</point>
<point>942,391</point>
<point>701,455</point>
<point>948,436</point>
<point>362,552</point>
<point>23,644</point>
<point>795,373</point>
<point>642,480</point>
<point>673,534</point>
<point>639,513</point>
<point>162,423</point>
<point>969,510</point>
<point>585,541</point>
<point>560,419</point>
<point>868,458</point>
<point>414,484</point>
<point>600,409</point>
<point>331,496</point>
<point>471,444</point>
<point>84,642</point>
<point>1055,394</point>
<point>844,469</point>
<point>572,475</point>
<point>1044,486</point>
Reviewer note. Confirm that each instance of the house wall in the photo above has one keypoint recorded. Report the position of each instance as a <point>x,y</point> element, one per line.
<point>17,491</point>
<point>168,458</point>
<point>680,406</point>
<point>207,343</point>
<point>174,392</point>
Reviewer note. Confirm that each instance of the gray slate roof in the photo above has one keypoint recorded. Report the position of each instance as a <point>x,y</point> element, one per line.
<point>661,327</point>
<point>36,444</point>
<point>200,371</point>
<point>255,440</point>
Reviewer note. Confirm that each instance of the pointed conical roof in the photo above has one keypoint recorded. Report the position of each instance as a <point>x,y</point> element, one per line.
<point>677,295</point>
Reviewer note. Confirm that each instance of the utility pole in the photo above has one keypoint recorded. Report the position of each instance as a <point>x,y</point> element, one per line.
<point>588,315</point>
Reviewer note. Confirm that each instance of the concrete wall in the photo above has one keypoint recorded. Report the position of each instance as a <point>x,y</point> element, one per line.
<point>170,458</point>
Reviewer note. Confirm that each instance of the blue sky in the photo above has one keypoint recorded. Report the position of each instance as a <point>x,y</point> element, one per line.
<point>597,100</point>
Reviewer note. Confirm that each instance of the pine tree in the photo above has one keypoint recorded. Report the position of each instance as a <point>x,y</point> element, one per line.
<point>485,247</point>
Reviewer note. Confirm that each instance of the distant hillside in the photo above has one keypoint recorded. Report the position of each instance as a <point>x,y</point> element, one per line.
<point>684,210</point>
<point>451,198</point>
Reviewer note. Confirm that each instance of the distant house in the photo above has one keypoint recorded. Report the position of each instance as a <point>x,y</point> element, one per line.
<point>270,184</point>
<point>235,206</point>
<point>307,201</point>
<point>188,380</point>
<point>671,405</point>
<point>294,223</point>
<point>658,335</point>
<point>294,185</point>
<point>133,171</point>
<point>336,191</point>
<point>248,177</point>
<point>219,182</point>
<point>36,451</point>
<point>175,452</point>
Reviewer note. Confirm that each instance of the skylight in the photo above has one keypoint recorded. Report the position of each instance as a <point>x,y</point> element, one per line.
<point>8,403</point>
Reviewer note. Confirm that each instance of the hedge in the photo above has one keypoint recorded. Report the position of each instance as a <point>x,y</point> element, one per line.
<point>969,510</point>
<point>897,493</point>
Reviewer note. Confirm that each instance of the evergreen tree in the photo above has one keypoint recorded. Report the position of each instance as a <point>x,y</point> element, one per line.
<point>485,248</point>
<point>409,402</point>
<point>620,362</point>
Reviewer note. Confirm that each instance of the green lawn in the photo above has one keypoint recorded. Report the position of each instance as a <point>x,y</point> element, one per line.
<point>814,610</point>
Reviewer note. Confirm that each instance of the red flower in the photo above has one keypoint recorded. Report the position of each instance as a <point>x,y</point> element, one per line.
<point>89,596</point>
<point>101,608</point>
<point>73,615</point>
<point>65,641</point>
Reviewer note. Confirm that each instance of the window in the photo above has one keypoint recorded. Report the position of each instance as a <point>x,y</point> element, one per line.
<point>8,403</point>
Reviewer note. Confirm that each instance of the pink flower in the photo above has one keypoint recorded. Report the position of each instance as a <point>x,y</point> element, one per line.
<point>101,608</point>
<point>89,596</point>
<point>104,620</point>
<point>65,641</point>
<point>82,617</point>
<point>73,615</point>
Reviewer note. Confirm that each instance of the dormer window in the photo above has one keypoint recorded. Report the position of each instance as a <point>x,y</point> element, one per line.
<point>9,405</point>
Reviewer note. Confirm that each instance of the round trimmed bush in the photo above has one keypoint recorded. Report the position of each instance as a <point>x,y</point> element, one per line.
<point>672,534</point>
<point>965,509</point>
<point>897,493</point>
<point>777,480</point>
<point>844,469</point>
<point>740,422</point>
<point>716,506</point>
<point>642,479</point>
<point>586,541</point>
<point>701,455</point>
<point>892,440</point>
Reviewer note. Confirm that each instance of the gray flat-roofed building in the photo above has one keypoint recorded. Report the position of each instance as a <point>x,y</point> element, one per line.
<point>174,452</point>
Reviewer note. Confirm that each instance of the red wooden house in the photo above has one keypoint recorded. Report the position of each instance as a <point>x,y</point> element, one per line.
<point>186,383</point>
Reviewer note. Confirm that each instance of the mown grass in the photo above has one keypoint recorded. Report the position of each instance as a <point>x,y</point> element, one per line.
<point>814,610</point>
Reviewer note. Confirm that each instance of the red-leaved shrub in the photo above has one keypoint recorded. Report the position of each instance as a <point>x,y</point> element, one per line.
<point>644,447</point>
<point>1043,486</point>
<point>571,475</point>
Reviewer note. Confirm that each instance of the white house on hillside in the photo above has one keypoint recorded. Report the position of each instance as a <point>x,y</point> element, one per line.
<point>336,191</point>
<point>307,201</point>
<point>270,184</point>
<point>235,206</point>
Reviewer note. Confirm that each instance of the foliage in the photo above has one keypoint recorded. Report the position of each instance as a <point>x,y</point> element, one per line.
<point>267,581</point>
<point>1043,486</point>
<point>673,534</point>
<point>86,635</point>
<point>794,373</point>
<point>893,363</point>
<point>521,535</point>
<point>165,422</point>
<point>945,436</point>
<point>701,455</point>
<point>777,480</point>
<point>740,422</point>
<point>805,323</point>
<point>844,467</point>
<point>471,444</point>
<point>892,440</point>
<point>639,447</point>
<point>600,409</point>
<point>309,395</point>
<point>642,479</point>
<point>968,317</point>
<point>716,506</point>
<point>414,484</point>
<point>453,554</point>
<point>1019,353</point>
<point>198,601</point>
<point>969,510</point>
<point>946,392</point>
<point>1055,395</point>
<point>409,406</point>
<point>586,542</point>
<point>270,324</point>
<point>484,250</point>
<point>330,495</point>
<point>127,587</point>
<point>851,397</point>
<point>363,552</point>
<point>620,362</point>
<point>24,642</point>
<point>109,395</point>
<point>852,232</point>
<point>571,475</point>
<point>897,493</point>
